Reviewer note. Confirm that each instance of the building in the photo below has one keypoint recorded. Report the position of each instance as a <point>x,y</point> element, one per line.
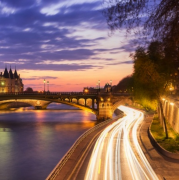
<point>90,90</point>
<point>107,88</point>
<point>10,82</point>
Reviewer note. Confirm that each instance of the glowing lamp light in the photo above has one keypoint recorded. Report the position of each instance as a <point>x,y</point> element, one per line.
<point>44,85</point>
<point>2,83</point>
<point>163,99</point>
<point>86,90</point>
<point>171,103</point>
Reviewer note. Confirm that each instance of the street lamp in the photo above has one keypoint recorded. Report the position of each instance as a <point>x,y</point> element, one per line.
<point>44,85</point>
<point>111,82</point>
<point>96,85</point>
<point>86,90</point>
<point>99,84</point>
<point>48,86</point>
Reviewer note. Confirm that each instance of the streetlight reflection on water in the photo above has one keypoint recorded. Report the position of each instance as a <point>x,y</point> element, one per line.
<point>29,137</point>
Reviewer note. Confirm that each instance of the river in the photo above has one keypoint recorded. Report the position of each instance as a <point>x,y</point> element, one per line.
<point>33,141</point>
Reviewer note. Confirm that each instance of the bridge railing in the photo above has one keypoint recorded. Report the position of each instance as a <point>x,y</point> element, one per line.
<point>44,93</point>
<point>62,93</point>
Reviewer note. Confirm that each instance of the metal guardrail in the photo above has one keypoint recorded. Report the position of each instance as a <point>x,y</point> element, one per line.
<point>65,158</point>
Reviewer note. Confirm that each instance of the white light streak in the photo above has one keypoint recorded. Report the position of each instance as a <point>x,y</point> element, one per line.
<point>105,162</point>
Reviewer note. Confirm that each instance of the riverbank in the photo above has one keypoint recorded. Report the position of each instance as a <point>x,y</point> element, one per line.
<point>172,143</point>
<point>70,165</point>
<point>165,167</point>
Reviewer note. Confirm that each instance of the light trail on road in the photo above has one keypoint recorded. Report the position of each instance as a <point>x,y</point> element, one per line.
<point>117,153</point>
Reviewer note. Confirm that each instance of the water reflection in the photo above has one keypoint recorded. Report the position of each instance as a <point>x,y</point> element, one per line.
<point>32,142</point>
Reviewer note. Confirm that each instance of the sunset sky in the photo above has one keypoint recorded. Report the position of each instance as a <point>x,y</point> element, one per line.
<point>67,43</point>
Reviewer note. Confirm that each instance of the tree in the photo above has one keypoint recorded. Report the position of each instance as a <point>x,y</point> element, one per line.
<point>125,84</point>
<point>29,90</point>
<point>149,75</point>
<point>158,18</point>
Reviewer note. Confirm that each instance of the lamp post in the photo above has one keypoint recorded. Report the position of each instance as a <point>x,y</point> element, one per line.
<point>44,85</point>
<point>111,84</point>
<point>48,86</point>
<point>99,84</point>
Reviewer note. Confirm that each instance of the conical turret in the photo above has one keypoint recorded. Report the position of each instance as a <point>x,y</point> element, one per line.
<point>10,73</point>
<point>6,74</point>
<point>15,74</point>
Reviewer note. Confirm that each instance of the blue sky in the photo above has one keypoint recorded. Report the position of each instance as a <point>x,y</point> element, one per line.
<point>65,42</point>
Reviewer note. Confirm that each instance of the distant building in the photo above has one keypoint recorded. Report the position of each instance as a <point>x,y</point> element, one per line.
<point>10,82</point>
<point>107,88</point>
<point>90,90</point>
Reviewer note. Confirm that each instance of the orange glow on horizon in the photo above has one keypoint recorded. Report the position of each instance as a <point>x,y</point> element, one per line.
<point>76,80</point>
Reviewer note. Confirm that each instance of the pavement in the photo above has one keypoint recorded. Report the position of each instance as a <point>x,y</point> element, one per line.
<point>165,168</point>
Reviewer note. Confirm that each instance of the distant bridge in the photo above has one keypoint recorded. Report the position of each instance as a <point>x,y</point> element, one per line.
<point>102,104</point>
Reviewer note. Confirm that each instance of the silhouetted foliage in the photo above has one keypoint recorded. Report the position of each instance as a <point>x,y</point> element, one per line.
<point>150,77</point>
<point>125,85</point>
<point>29,90</point>
<point>158,18</point>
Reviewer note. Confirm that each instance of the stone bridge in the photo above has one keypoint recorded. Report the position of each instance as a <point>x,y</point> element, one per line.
<point>100,104</point>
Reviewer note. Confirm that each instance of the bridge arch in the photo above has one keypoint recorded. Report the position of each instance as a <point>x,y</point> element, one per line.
<point>74,100</point>
<point>108,104</point>
<point>81,101</point>
<point>67,99</point>
<point>125,101</point>
<point>89,102</point>
<point>40,103</point>
<point>36,103</point>
<point>79,106</point>
<point>103,104</point>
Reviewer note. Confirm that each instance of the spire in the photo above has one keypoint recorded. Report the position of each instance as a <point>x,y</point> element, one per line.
<point>15,74</point>
<point>10,73</point>
<point>6,74</point>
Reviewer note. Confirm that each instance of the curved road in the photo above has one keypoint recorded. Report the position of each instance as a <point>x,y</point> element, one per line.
<point>117,154</point>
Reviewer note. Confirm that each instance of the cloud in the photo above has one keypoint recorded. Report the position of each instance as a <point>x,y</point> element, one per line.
<point>30,36</point>
<point>19,3</point>
<point>122,62</point>
<point>79,84</point>
<point>39,77</point>
<point>57,67</point>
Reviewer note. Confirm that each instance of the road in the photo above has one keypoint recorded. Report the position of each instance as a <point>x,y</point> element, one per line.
<point>117,154</point>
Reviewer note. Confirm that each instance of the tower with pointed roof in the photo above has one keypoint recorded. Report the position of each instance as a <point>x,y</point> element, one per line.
<point>6,74</point>
<point>10,73</point>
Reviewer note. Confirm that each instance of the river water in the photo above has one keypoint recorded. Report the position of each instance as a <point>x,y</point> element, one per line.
<point>33,141</point>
